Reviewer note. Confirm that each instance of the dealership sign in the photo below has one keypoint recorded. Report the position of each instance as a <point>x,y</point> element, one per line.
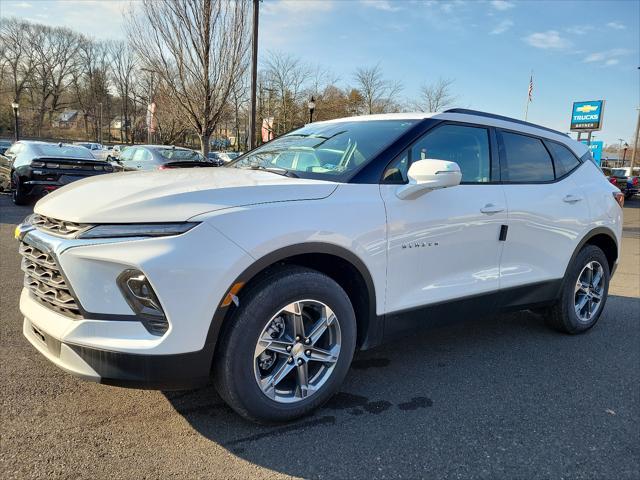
<point>596,150</point>
<point>587,116</point>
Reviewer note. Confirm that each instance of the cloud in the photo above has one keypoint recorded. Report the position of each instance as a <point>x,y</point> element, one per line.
<point>549,40</point>
<point>616,25</point>
<point>502,27</point>
<point>579,29</point>
<point>384,5</point>
<point>608,57</point>
<point>21,5</point>
<point>501,5</point>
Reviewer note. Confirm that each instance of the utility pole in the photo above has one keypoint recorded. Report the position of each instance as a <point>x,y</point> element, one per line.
<point>254,75</point>
<point>100,125</point>
<point>634,155</point>
<point>16,133</point>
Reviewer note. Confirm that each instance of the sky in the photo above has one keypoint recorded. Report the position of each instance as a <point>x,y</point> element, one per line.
<point>587,50</point>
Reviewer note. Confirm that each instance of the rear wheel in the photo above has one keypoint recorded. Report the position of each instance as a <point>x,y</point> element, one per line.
<point>18,195</point>
<point>584,294</point>
<point>289,348</point>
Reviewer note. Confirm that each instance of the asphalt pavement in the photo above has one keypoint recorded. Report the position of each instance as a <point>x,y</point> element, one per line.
<point>490,398</point>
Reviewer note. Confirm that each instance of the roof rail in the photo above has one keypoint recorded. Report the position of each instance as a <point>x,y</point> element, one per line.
<point>467,111</point>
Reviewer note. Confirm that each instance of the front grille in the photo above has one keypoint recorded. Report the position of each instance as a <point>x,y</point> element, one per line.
<point>60,228</point>
<point>45,281</point>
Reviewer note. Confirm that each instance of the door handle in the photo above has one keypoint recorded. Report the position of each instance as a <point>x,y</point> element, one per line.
<point>491,208</point>
<point>572,198</point>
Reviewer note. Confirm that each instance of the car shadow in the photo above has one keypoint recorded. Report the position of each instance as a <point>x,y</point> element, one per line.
<point>402,404</point>
<point>11,214</point>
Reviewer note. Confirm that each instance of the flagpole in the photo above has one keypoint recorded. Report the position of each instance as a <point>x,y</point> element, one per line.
<point>526,109</point>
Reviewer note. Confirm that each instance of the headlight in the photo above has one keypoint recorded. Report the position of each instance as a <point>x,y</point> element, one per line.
<point>138,230</point>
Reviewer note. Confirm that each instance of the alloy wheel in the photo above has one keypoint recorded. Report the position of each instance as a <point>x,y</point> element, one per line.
<point>589,291</point>
<point>297,351</point>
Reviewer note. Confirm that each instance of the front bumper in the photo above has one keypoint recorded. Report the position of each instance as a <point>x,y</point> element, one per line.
<point>165,372</point>
<point>190,274</point>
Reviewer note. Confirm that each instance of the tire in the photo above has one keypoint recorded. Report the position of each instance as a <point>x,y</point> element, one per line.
<point>563,315</point>
<point>18,195</point>
<point>237,364</point>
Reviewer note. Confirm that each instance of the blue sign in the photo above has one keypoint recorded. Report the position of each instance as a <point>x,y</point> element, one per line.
<point>596,150</point>
<point>587,116</point>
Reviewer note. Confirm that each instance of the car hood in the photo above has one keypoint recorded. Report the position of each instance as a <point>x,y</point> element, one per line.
<point>173,195</point>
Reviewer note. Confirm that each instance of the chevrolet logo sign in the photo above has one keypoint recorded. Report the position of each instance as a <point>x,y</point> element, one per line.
<point>587,108</point>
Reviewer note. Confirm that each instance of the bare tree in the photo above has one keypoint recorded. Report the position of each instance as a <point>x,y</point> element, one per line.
<point>123,73</point>
<point>91,84</point>
<point>198,48</point>
<point>286,75</point>
<point>19,59</point>
<point>436,97</point>
<point>379,94</point>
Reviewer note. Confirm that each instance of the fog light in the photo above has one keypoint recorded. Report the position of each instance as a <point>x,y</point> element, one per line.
<point>143,301</point>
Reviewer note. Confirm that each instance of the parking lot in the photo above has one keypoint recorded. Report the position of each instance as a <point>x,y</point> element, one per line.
<point>497,397</point>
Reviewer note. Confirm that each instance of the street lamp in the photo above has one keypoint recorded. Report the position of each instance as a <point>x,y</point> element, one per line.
<point>15,107</point>
<point>312,107</point>
<point>625,147</point>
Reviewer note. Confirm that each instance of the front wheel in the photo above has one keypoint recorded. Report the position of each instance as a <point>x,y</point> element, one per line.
<point>584,294</point>
<point>289,347</point>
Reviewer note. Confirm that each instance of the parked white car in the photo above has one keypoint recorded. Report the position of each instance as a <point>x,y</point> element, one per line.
<point>267,274</point>
<point>97,150</point>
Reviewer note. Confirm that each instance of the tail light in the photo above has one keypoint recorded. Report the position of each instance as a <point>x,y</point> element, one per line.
<point>163,167</point>
<point>635,180</point>
<point>613,181</point>
<point>619,198</point>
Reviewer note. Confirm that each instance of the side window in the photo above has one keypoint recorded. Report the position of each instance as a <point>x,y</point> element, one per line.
<point>284,160</point>
<point>527,159</point>
<point>467,146</point>
<point>306,161</point>
<point>141,155</point>
<point>127,154</point>
<point>563,159</point>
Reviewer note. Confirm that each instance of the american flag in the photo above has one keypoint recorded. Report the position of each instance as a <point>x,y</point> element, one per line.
<point>531,88</point>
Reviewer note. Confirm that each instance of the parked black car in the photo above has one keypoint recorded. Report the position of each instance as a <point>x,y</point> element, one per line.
<point>159,157</point>
<point>31,168</point>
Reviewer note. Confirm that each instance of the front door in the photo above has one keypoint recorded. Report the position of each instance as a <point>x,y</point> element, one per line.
<point>445,244</point>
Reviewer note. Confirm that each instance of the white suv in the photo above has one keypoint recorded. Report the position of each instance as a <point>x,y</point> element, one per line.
<point>267,274</point>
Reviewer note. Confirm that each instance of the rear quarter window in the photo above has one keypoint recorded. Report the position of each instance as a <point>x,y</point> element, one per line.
<point>563,158</point>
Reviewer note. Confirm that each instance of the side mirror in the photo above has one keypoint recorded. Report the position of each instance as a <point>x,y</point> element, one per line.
<point>429,174</point>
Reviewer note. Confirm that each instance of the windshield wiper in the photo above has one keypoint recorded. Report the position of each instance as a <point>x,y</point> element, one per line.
<point>278,171</point>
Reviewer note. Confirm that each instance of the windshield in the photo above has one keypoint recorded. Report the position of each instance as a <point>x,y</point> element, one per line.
<point>326,150</point>
<point>619,172</point>
<point>55,150</point>
<point>180,155</point>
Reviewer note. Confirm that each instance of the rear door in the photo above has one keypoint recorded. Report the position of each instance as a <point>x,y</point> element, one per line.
<point>548,213</point>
